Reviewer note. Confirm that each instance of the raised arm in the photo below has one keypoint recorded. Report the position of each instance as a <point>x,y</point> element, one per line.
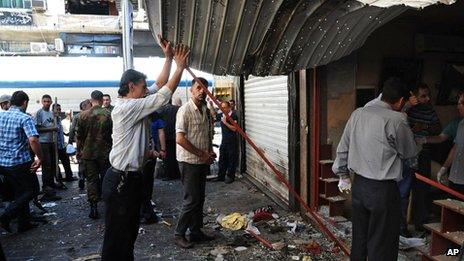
<point>168,54</point>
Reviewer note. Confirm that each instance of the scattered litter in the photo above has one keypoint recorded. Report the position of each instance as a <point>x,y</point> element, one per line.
<point>292,246</point>
<point>50,214</point>
<point>55,222</point>
<point>158,256</point>
<point>264,213</point>
<point>219,257</point>
<point>88,225</point>
<point>142,231</point>
<point>241,248</point>
<point>406,243</point>
<point>306,258</point>
<point>234,221</point>
<point>49,205</point>
<point>275,216</point>
<point>294,227</point>
<point>219,251</point>
<point>152,245</point>
<point>295,258</point>
<point>312,247</point>
<point>252,228</point>
<point>278,246</point>
<point>74,198</point>
<point>166,223</point>
<point>89,257</point>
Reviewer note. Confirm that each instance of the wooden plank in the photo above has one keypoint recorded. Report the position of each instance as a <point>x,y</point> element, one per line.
<point>451,204</point>
<point>451,221</point>
<point>456,237</point>
<point>330,180</point>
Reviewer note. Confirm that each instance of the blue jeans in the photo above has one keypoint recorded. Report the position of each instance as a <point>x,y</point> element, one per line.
<point>404,187</point>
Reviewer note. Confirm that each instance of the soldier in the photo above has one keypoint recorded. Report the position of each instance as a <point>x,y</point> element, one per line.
<point>94,146</point>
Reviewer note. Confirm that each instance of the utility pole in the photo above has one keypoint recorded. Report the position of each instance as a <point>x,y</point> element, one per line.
<point>127,34</point>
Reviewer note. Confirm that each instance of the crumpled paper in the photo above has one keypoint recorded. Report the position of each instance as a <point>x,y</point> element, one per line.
<point>234,221</point>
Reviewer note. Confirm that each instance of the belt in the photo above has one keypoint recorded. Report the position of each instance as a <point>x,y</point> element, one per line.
<point>124,176</point>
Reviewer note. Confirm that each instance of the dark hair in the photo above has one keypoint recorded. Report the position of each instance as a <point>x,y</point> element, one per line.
<point>18,98</point>
<point>231,101</point>
<point>106,95</point>
<point>82,104</point>
<point>46,96</point>
<point>393,90</point>
<point>202,80</point>
<point>129,76</point>
<point>420,86</point>
<point>55,105</point>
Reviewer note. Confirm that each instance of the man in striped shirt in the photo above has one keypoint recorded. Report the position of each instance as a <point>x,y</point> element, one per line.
<point>195,155</point>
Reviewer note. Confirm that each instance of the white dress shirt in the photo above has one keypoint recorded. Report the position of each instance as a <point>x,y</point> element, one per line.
<point>131,129</point>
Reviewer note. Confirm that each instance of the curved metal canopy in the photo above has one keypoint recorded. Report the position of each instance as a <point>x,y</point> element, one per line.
<point>266,37</point>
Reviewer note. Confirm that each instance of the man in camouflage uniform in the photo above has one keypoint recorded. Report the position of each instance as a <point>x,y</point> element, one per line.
<point>94,146</point>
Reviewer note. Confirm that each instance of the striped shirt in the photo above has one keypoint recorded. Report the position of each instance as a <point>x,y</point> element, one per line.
<point>198,129</point>
<point>15,129</point>
<point>423,114</point>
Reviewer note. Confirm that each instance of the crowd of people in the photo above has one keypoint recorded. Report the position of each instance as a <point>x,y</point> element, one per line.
<point>382,147</point>
<point>117,148</point>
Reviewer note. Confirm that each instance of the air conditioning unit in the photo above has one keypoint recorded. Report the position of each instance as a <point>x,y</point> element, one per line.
<point>39,47</point>
<point>59,45</point>
<point>39,5</point>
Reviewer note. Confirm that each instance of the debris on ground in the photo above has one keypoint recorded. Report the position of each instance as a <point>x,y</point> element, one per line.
<point>407,243</point>
<point>91,257</point>
<point>234,221</point>
<point>49,205</point>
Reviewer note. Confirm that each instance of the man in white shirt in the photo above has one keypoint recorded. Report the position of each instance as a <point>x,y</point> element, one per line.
<point>122,185</point>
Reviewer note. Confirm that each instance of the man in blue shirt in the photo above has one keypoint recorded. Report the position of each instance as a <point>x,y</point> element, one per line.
<point>228,152</point>
<point>17,133</point>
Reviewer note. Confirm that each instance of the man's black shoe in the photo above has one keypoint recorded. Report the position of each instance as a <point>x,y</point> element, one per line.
<point>94,211</point>
<point>70,179</point>
<point>81,183</point>
<point>199,237</point>
<point>26,227</point>
<point>229,180</point>
<point>217,179</point>
<point>180,241</point>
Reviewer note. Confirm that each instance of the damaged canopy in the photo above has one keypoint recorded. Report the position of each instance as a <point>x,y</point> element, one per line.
<point>269,37</point>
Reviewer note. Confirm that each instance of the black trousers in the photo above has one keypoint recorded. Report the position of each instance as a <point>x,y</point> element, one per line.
<point>25,187</point>
<point>48,164</point>
<point>228,159</point>
<point>2,255</point>
<point>421,200</point>
<point>171,166</point>
<point>376,220</point>
<point>123,195</point>
<point>148,175</point>
<point>64,158</point>
<point>193,177</point>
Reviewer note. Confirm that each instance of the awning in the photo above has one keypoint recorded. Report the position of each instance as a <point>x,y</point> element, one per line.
<point>268,37</point>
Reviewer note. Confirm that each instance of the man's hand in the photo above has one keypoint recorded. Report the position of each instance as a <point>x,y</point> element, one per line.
<point>162,154</point>
<point>36,165</point>
<point>421,140</point>
<point>181,54</point>
<point>442,174</point>
<point>207,157</point>
<point>344,184</point>
<point>413,99</point>
<point>166,46</point>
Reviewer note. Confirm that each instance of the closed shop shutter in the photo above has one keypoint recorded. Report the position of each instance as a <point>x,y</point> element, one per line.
<point>266,122</point>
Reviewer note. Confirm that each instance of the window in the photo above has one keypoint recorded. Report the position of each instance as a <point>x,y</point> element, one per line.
<point>24,4</point>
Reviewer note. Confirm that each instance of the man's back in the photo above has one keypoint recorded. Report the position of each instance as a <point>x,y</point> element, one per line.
<point>95,127</point>
<point>377,139</point>
<point>169,112</point>
<point>15,127</point>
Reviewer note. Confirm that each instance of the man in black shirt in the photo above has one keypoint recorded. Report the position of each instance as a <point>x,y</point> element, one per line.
<point>171,166</point>
<point>228,150</point>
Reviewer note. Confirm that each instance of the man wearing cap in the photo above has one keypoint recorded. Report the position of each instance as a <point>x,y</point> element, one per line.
<point>5,102</point>
<point>94,146</point>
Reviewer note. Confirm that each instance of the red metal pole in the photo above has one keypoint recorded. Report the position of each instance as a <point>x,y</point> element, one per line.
<point>261,239</point>
<point>440,186</point>
<point>317,221</point>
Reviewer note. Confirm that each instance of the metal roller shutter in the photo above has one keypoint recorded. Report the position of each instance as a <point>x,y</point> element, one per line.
<point>266,122</point>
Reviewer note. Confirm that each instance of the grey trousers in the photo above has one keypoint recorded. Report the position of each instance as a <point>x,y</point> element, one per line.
<point>193,178</point>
